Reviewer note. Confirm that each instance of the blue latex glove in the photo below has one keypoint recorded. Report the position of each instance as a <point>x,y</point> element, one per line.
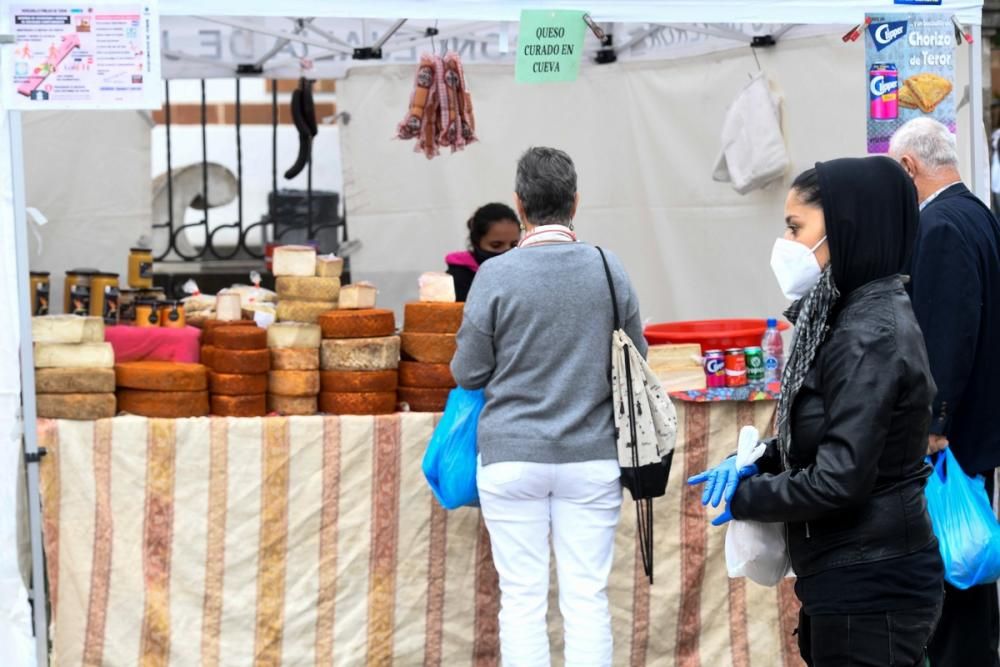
<point>722,480</point>
<point>725,517</point>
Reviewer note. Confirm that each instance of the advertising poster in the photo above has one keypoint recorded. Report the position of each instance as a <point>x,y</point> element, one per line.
<point>910,60</point>
<point>94,56</point>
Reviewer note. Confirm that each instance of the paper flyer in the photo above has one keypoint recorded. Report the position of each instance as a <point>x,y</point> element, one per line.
<point>910,62</point>
<point>95,56</point>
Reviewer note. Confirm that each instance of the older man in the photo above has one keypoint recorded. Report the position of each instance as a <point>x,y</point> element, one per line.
<point>956,295</point>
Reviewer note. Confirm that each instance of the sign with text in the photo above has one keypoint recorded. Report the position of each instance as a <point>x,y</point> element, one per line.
<point>549,46</point>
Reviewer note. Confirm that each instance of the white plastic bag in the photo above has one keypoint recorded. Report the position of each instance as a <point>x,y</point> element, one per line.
<point>755,550</point>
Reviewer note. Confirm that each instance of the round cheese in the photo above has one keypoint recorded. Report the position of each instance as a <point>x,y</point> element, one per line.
<point>228,306</point>
<point>444,318</point>
<point>358,381</point>
<point>239,406</point>
<point>211,325</point>
<point>75,381</point>
<point>67,329</point>
<point>239,338</point>
<point>429,348</point>
<point>293,383</point>
<point>82,355</point>
<point>76,406</point>
<point>240,362</point>
<point>303,311</point>
<point>360,354</point>
<point>294,260</point>
<point>207,353</point>
<point>428,376</point>
<point>371,323</point>
<point>382,403</point>
<point>293,405</point>
<point>424,400</point>
<point>161,376</point>
<point>163,404</point>
<point>228,384</point>
<point>294,359</point>
<point>311,288</point>
<point>294,335</point>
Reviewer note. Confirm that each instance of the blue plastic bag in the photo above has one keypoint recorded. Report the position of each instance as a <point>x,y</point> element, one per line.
<point>965,525</point>
<point>450,460</point>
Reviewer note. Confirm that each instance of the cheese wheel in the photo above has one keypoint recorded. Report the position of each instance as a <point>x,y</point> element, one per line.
<point>358,296</point>
<point>67,329</point>
<point>83,355</point>
<point>294,335</point>
<point>429,348</point>
<point>303,311</point>
<point>293,383</point>
<point>240,362</point>
<point>424,400</point>
<point>163,404</point>
<point>381,403</point>
<point>239,406</point>
<point>293,405</point>
<point>228,384</point>
<point>76,406</point>
<point>370,323</point>
<point>294,260</point>
<point>75,381</point>
<point>445,318</point>
<point>345,382</point>
<point>294,359</point>
<point>207,352</point>
<point>360,354</point>
<point>437,287</point>
<point>427,376</point>
<point>212,325</point>
<point>329,266</point>
<point>307,288</point>
<point>161,376</point>
<point>239,338</point>
<point>228,306</point>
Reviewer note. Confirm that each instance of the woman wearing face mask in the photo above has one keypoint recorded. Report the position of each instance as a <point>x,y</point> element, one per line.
<point>846,473</point>
<point>493,230</point>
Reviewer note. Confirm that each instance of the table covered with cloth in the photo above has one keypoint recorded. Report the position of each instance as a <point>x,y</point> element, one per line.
<point>315,541</point>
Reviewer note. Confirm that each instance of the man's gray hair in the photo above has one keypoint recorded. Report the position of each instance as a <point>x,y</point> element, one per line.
<point>928,141</point>
<point>546,186</point>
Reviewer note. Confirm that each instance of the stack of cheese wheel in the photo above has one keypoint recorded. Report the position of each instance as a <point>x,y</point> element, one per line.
<point>306,287</point>
<point>74,368</point>
<point>163,389</point>
<point>359,358</point>
<point>238,362</point>
<point>293,383</point>
<point>428,343</point>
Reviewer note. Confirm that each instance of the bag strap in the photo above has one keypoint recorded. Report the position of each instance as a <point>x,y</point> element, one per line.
<point>611,286</point>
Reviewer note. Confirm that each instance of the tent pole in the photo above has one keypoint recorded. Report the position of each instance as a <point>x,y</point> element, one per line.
<point>29,412</point>
<point>980,161</point>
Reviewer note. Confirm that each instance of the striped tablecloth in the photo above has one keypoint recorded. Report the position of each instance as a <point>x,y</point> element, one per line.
<point>314,541</point>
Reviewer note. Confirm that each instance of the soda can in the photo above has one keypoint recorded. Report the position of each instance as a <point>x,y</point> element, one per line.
<point>736,368</point>
<point>755,365</point>
<point>715,369</point>
<point>883,91</point>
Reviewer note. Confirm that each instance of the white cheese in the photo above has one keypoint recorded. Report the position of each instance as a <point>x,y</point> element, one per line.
<point>329,266</point>
<point>437,287</point>
<point>360,354</point>
<point>357,296</point>
<point>294,335</point>
<point>294,260</point>
<point>67,329</point>
<point>83,355</point>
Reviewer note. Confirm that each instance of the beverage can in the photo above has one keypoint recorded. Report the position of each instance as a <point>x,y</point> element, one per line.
<point>755,365</point>
<point>715,369</point>
<point>883,91</point>
<point>736,367</point>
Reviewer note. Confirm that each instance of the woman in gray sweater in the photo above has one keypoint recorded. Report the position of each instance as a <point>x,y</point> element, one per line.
<point>537,336</point>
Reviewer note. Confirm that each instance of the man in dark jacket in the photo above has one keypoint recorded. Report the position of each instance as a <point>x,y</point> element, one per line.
<point>955,291</point>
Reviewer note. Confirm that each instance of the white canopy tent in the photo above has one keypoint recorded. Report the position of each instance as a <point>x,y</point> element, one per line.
<point>472,19</point>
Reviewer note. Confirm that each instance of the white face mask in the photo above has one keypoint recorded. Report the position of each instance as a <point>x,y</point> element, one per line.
<point>796,267</point>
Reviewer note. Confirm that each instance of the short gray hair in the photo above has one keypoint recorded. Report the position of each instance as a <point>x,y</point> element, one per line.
<point>928,141</point>
<point>546,186</point>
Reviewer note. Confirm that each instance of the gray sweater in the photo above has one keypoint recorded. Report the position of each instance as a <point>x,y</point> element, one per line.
<point>537,335</point>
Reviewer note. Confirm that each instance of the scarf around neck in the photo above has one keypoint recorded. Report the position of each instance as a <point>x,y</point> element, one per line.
<point>548,234</point>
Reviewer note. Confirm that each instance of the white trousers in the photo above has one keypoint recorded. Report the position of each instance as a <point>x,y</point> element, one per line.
<point>578,505</point>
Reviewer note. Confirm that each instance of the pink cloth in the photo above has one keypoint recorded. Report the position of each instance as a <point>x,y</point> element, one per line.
<point>462,258</point>
<point>154,343</point>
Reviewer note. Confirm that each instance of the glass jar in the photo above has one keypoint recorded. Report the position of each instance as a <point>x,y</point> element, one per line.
<point>104,298</point>
<point>140,268</point>
<point>126,305</point>
<point>39,293</point>
<point>152,294</point>
<point>76,291</point>
<point>171,314</point>
<point>146,313</point>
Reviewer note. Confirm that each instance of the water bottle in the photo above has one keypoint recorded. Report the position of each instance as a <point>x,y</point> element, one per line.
<point>774,352</point>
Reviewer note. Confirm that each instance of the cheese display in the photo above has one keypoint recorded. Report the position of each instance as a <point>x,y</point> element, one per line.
<point>240,361</point>
<point>345,382</point>
<point>294,335</point>
<point>437,287</point>
<point>163,404</point>
<point>303,311</point>
<point>67,329</point>
<point>293,383</point>
<point>381,403</point>
<point>445,318</point>
<point>424,400</point>
<point>329,266</point>
<point>294,359</point>
<point>311,288</point>
<point>207,334</point>
<point>360,354</point>
<point>75,380</point>
<point>83,355</point>
<point>425,376</point>
<point>161,376</point>
<point>239,338</point>
<point>357,296</point>
<point>293,405</point>
<point>429,348</point>
<point>239,406</point>
<point>228,384</point>
<point>367,323</point>
<point>84,406</point>
<point>294,260</point>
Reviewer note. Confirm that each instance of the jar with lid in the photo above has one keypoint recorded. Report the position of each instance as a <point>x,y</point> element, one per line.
<point>152,294</point>
<point>39,293</point>
<point>126,305</point>
<point>171,314</point>
<point>140,268</point>
<point>76,291</point>
<point>104,298</point>
<point>146,313</point>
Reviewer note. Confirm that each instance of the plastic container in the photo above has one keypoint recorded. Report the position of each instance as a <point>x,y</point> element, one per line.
<point>710,334</point>
<point>774,352</point>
